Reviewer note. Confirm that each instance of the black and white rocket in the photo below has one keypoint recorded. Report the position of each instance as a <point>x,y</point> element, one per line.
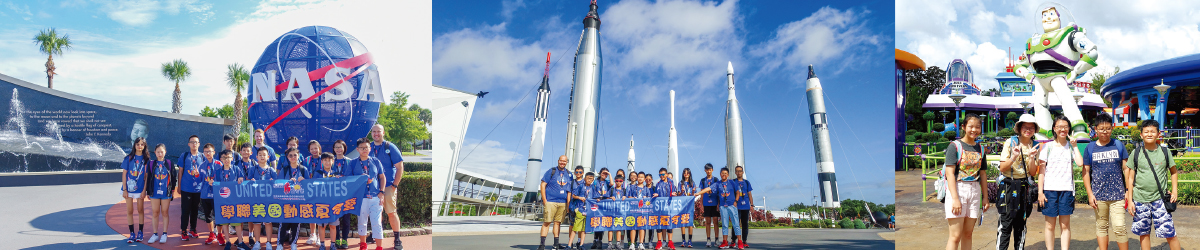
<point>734,154</point>
<point>585,95</point>
<point>630,167</point>
<point>820,134</point>
<point>537,140</point>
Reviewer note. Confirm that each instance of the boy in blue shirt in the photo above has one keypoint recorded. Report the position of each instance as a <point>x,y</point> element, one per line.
<point>580,193</point>
<point>261,169</point>
<point>745,202</point>
<point>206,199</point>
<point>226,173</point>
<point>1103,178</point>
<point>711,214</point>
<point>664,188</point>
<point>727,193</point>
<point>189,188</point>
<point>372,204</point>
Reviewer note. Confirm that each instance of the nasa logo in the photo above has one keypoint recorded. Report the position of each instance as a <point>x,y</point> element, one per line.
<point>224,192</point>
<point>314,83</point>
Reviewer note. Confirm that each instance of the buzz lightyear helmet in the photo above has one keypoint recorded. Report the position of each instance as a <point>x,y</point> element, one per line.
<point>1063,15</point>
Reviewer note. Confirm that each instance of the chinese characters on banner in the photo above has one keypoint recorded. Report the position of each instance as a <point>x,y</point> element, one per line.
<point>639,214</point>
<point>284,201</point>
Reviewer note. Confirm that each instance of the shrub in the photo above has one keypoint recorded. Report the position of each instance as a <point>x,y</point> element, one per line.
<point>910,138</point>
<point>1006,132</point>
<point>846,223</point>
<point>413,203</point>
<point>938,127</point>
<point>951,134</point>
<point>1187,165</point>
<point>860,224</point>
<point>761,224</point>
<point>932,137</point>
<point>1013,115</point>
<point>417,166</point>
<point>782,221</point>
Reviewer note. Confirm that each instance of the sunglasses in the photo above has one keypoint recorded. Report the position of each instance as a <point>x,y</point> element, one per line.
<point>579,172</point>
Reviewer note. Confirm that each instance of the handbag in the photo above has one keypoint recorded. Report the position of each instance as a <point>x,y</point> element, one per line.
<point>1166,198</point>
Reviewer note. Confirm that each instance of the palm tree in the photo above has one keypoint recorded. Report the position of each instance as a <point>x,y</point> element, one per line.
<point>236,77</point>
<point>176,71</point>
<point>51,44</point>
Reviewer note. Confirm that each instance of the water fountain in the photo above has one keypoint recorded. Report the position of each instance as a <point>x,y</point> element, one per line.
<point>49,151</point>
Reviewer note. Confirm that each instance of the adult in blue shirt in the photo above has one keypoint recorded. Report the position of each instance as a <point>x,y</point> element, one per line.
<point>260,141</point>
<point>393,167</point>
<point>553,190</point>
<point>745,202</point>
<point>581,190</point>
<point>710,214</point>
<point>189,188</point>
<point>372,207</point>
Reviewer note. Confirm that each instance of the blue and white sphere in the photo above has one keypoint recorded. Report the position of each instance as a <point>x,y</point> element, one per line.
<point>341,113</point>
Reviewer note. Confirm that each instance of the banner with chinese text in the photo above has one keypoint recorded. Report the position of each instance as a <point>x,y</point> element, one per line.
<point>284,201</point>
<point>640,214</point>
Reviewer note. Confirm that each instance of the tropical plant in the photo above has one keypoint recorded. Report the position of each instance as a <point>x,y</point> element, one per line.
<point>237,77</point>
<point>176,71</point>
<point>50,43</point>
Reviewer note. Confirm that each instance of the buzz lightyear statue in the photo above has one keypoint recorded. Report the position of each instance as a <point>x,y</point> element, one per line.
<point>1051,61</point>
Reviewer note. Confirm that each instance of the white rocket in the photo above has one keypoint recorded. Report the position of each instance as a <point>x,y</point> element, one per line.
<point>820,135</point>
<point>585,95</point>
<point>630,166</point>
<point>673,145</point>
<point>537,140</point>
<point>734,154</point>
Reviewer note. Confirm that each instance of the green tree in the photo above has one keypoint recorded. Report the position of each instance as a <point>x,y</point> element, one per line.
<point>518,197</point>
<point>490,196</point>
<point>50,43</point>
<point>919,84</point>
<point>176,71</point>
<point>236,78</point>
<point>403,125</point>
<point>1098,80</point>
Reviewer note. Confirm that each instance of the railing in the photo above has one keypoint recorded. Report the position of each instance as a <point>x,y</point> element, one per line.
<point>517,210</point>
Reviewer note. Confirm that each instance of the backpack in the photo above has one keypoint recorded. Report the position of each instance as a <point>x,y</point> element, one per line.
<point>940,184</point>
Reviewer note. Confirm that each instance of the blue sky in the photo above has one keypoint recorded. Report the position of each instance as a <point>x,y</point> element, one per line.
<point>653,47</point>
<point>119,46</point>
<point>1126,33</point>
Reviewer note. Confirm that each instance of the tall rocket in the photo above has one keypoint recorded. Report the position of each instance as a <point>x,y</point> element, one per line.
<point>734,155</point>
<point>673,145</point>
<point>585,95</point>
<point>537,140</point>
<point>630,166</point>
<point>820,135</point>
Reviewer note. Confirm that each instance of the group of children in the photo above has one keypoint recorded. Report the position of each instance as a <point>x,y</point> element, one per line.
<point>1115,185</point>
<point>560,190</point>
<point>202,167</point>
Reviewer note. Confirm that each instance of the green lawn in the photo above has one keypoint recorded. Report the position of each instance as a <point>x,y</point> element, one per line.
<point>406,153</point>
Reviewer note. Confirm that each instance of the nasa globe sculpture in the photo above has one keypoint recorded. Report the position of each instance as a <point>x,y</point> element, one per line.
<point>314,83</point>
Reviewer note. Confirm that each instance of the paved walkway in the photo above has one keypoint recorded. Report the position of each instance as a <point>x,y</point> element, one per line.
<point>922,225</point>
<point>483,225</point>
<point>428,156</point>
<point>759,239</point>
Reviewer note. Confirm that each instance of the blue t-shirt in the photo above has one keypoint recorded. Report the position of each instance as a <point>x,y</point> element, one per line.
<point>227,175</point>
<point>687,188</point>
<point>135,174</point>
<point>208,173</point>
<point>287,172</point>
<point>744,202</point>
<point>665,188</point>
<point>597,188</point>
<point>371,168</point>
<point>1108,181</point>
<point>190,164</point>
<point>271,158</point>
<point>579,188</point>
<point>258,172</point>
<point>339,165</point>
<point>604,188</point>
<point>557,184</point>
<point>388,156</point>
<point>313,162</point>
<point>643,192</point>
<point>710,199</point>
<point>727,192</point>
<point>161,171</point>
<point>618,192</point>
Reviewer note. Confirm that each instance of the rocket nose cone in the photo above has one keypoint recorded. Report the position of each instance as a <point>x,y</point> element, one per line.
<point>730,68</point>
<point>811,74</point>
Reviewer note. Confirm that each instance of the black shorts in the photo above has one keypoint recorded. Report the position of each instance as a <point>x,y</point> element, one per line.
<point>711,211</point>
<point>206,210</point>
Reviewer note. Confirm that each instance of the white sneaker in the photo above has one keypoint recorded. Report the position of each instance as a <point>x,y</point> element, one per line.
<point>154,237</point>
<point>280,246</point>
<point>312,240</point>
<point>293,246</point>
<point>163,240</point>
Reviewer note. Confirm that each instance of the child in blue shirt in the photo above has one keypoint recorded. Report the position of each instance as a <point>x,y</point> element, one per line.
<point>261,170</point>
<point>133,176</point>
<point>372,205</point>
<point>227,172</point>
<point>161,192</point>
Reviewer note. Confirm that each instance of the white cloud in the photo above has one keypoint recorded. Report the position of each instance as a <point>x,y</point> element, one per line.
<point>983,23</point>
<point>828,37</point>
<point>490,158</point>
<point>986,62</point>
<point>111,70</point>
<point>509,6</point>
<point>132,12</point>
<point>925,17</point>
<point>471,58</point>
